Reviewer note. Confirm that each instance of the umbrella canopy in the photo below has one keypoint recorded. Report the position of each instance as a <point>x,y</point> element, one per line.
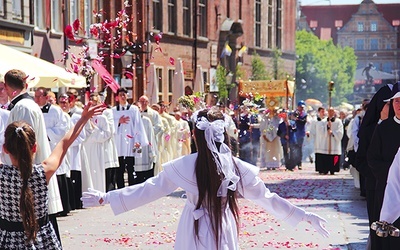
<point>46,74</point>
<point>313,102</point>
<point>199,81</point>
<point>178,85</point>
<point>152,84</point>
<point>347,106</point>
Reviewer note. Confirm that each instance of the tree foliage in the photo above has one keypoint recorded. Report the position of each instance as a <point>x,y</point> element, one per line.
<point>318,63</point>
<point>221,82</point>
<point>258,69</point>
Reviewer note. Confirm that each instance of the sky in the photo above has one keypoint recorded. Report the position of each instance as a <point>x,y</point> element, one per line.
<point>340,2</point>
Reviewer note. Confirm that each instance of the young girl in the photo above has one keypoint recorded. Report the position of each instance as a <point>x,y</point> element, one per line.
<point>213,180</point>
<point>24,222</point>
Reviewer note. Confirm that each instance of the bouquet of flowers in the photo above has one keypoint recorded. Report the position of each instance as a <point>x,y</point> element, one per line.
<point>187,101</point>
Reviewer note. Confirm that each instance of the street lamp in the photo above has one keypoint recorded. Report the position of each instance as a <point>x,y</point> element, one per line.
<point>126,59</point>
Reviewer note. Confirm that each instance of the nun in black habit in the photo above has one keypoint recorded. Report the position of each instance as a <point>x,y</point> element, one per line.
<point>383,147</point>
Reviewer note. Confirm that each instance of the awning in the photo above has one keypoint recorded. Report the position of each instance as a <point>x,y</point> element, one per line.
<point>44,73</point>
<point>178,86</point>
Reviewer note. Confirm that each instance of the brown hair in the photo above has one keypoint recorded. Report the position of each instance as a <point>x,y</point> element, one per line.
<point>15,78</point>
<point>19,142</point>
<point>209,180</point>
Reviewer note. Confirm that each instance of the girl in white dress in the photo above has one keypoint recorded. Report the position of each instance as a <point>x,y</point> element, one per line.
<point>213,180</point>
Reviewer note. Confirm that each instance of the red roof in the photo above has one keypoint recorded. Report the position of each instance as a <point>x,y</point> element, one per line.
<point>327,15</point>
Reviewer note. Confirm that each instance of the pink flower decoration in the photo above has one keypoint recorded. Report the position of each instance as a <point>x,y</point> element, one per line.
<point>128,74</point>
<point>76,25</point>
<point>69,33</point>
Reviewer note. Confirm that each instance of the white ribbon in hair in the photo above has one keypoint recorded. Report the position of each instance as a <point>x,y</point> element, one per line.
<point>214,132</point>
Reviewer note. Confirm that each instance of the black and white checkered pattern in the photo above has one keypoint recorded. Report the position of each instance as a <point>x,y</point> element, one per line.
<point>10,186</point>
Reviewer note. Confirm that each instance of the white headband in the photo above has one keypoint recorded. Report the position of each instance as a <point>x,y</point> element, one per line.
<point>214,132</point>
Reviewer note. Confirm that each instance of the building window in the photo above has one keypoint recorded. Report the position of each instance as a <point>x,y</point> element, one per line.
<point>159,73</point>
<point>279,24</point>
<point>203,18</point>
<point>388,44</point>
<point>360,44</point>
<point>88,16</point>
<point>172,16</point>
<point>2,10</point>
<point>387,67</point>
<point>55,15</point>
<point>269,24</point>
<point>157,15</point>
<point>39,14</point>
<point>374,44</point>
<point>17,9</point>
<point>73,11</point>
<point>205,77</point>
<point>258,24</point>
<point>374,26</point>
<point>360,26</point>
<point>187,22</point>
<point>171,73</point>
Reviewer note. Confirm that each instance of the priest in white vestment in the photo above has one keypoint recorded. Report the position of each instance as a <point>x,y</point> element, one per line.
<point>96,135</point>
<point>130,136</point>
<point>57,126</point>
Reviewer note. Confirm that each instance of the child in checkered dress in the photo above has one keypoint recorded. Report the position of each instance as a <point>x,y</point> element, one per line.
<point>24,222</point>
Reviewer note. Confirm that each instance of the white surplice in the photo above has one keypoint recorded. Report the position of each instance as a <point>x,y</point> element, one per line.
<point>126,135</point>
<point>181,173</point>
<point>27,110</point>
<point>4,114</point>
<point>182,145</point>
<point>149,152</point>
<point>163,151</point>
<point>110,149</point>
<point>320,134</point>
<point>57,125</point>
<point>98,132</point>
<point>169,143</point>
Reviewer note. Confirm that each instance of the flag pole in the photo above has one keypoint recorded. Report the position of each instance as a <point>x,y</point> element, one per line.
<point>330,89</point>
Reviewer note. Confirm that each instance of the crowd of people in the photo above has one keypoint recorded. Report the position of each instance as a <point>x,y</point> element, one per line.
<point>55,148</point>
<point>95,150</point>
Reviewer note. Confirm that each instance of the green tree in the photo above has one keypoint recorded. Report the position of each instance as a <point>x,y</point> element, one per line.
<point>258,69</point>
<point>277,65</point>
<point>221,82</point>
<point>318,63</point>
<point>240,73</point>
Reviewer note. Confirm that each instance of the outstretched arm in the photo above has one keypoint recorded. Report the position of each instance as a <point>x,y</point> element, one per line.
<point>280,207</point>
<point>131,197</point>
<point>52,163</point>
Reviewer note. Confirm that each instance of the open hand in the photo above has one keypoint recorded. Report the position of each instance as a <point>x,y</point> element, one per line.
<point>316,221</point>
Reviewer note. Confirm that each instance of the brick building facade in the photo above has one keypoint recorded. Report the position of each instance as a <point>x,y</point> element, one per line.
<point>194,31</point>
